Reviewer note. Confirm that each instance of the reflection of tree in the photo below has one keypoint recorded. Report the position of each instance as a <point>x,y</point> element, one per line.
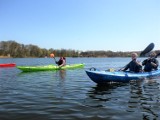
<point>145,98</point>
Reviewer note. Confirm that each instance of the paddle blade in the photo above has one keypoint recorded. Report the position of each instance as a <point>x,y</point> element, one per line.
<point>52,55</point>
<point>147,49</point>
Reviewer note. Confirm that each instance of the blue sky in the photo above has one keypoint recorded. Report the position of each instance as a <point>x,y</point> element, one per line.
<point>116,25</point>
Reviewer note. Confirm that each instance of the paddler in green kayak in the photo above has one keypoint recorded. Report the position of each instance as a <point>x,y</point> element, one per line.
<point>61,62</point>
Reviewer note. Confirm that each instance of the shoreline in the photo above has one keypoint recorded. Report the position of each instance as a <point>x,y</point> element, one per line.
<point>4,57</point>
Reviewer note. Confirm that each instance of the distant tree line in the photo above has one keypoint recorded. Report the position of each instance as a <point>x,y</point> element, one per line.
<point>16,50</point>
<point>104,54</point>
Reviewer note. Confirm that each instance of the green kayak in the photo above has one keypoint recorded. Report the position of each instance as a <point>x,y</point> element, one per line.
<point>48,67</point>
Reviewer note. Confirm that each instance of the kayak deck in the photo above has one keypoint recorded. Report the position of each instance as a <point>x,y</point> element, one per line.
<point>48,67</point>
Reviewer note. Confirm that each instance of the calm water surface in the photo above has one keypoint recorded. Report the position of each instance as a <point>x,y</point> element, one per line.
<point>70,94</point>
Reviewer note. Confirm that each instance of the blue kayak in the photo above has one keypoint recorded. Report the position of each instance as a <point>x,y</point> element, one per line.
<point>101,76</point>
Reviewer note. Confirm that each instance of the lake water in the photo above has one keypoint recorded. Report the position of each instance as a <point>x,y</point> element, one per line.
<point>71,95</point>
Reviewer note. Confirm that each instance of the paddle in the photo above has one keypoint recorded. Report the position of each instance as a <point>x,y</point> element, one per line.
<point>52,56</point>
<point>145,51</point>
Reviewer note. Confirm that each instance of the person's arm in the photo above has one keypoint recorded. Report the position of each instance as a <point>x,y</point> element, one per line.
<point>63,64</point>
<point>155,64</point>
<point>139,67</point>
<point>144,62</point>
<point>138,62</point>
<point>57,62</point>
<point>126,67</point>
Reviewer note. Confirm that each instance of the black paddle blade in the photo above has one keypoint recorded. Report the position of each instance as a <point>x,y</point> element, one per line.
<point>147,49</point>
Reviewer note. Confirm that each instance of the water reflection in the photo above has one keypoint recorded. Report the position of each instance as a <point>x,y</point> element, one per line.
<point>56,73</point>
<point>62,74</point>
<point>100,89</point>
<point>104,93</point>
<point>144,98</point>
<point>137,98</point>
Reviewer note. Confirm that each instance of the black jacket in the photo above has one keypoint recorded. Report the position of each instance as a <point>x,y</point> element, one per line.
<point>148,66</point>
<point>133,66</point>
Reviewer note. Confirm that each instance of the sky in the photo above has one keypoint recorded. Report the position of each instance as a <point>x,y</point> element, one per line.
<point>116,25</point>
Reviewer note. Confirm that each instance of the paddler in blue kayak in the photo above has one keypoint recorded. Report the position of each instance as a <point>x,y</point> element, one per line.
<point>151,63</point>
<point>134,65</point>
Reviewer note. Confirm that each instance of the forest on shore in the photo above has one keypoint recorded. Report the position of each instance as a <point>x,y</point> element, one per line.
<point>13,49</point>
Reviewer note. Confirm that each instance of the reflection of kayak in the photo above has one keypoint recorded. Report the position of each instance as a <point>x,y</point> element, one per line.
<point>8,65</point>
<point>48,67</point>
<point>99,76</point>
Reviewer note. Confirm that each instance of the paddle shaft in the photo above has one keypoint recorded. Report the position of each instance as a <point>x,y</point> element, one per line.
<point>55,60</point>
